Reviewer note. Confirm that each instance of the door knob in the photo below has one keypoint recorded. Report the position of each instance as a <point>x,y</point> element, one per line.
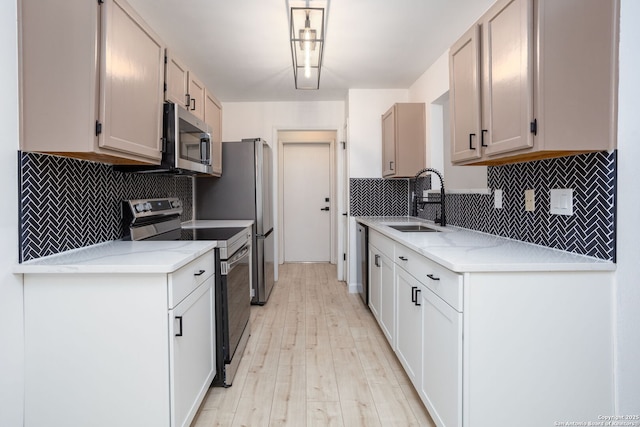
<point>325,208</point>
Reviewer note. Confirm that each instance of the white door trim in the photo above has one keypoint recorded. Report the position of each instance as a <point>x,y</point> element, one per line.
<point>308,136</point>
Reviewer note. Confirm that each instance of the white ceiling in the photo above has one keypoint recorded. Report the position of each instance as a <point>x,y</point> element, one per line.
<point>240,48</point>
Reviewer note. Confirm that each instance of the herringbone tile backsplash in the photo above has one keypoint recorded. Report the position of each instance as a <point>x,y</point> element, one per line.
<point>67,203</point>
<point>589,231</point>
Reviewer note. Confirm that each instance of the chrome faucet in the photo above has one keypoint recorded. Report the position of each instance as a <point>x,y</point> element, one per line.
<point>423,200</point>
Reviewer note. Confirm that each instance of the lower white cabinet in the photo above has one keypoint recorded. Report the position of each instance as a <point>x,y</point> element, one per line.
<point>191,361</point>
<point>382,295</point>
<point>485,348</point>
<point>119,349</point>
<point>409,316</point>
<point>441,384</point>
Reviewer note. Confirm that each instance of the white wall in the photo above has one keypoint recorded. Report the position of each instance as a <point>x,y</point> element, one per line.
<point>628,232</point>
<point>432,88</point>
<point>366,107</point>
<point>11,325</point>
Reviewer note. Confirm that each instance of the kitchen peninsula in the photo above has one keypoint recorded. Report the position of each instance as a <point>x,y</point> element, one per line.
<point>493,331</point>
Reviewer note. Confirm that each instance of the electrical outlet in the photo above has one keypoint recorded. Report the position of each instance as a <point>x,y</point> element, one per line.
<point>529,200</point>
<point>425,193</point>
<point>497,199</point>
<point>561,201</point>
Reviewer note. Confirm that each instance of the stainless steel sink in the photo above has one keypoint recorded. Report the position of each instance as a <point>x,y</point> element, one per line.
<point>413,228</point>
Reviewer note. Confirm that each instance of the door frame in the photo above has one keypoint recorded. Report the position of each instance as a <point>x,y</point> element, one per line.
<point>301,137</point>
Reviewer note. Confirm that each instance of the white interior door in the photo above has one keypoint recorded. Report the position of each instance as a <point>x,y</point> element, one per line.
<point>307,202</point>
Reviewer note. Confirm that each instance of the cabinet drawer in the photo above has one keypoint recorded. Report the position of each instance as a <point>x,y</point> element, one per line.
<point>382,243</point>
<point>184,280</point>
<point>443,282</point>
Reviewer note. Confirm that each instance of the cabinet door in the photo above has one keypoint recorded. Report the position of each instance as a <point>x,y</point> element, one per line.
<point>195,96</point>
<point>132,83</point>
<point>192,356</point>
<point>441,388</point>
<point>507,52</point>
<point>389,143</point>
<point>464,76</point>
<point>177,79</point>
<point>409,339</point>
<point>213,118</point>
<point>387,299</point>
<point>375,281</point>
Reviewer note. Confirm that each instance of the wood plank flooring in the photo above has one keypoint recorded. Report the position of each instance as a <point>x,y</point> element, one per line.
<point>315,357</point>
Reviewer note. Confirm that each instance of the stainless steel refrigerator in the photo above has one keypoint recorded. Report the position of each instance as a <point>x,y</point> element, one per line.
<point>244,191</point>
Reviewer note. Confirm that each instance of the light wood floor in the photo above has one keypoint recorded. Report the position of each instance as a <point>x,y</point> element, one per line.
<point>316,357</point>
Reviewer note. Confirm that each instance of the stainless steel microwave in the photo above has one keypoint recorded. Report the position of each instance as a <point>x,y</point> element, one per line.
<point>186,141</point>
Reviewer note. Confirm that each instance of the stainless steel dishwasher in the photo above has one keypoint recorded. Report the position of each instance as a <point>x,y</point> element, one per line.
<point>362,251</point>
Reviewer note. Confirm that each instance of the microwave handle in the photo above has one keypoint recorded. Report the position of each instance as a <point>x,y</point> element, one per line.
<point>205,150</point>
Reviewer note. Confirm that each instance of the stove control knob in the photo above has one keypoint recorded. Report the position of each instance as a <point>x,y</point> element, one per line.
<point>175,204</point>
<point>147,206</point>
<point>139,207</point>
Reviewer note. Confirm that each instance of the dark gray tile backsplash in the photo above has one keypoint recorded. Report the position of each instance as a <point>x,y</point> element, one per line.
<point>67,203</point>
<point>589,231</point>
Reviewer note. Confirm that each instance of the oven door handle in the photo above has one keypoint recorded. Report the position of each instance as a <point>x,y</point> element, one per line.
<point>231,263</point>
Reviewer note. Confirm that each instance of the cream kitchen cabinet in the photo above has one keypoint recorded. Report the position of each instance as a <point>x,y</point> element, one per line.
<point>126,349</point>
<point>184,88</point>
<point>403,140</point>
<point>213,118</point>
<point>534,79</point>
<point>91,79</point>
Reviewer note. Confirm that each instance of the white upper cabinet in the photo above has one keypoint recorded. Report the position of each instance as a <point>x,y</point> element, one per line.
<point>91,81</point>
<point>535,79</point>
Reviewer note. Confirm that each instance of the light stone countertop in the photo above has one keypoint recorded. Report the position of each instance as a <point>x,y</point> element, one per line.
<point>120,257</point>
<point>463,250</point>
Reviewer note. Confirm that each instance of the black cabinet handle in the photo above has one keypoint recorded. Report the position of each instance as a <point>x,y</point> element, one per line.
<point>471,147</point>
<point>413,294</point>
<point>188,103</point>
<point>199,273</point>
<point>193,104</point>
<point>403,258</point>
<point>390,165</point>
<point>345,213</point>
<point>482,138</point>
<point>179,319</point>
<point>417,301</point>
<point>325,208</point>
<point>376,260</point>
<point>432,277</point>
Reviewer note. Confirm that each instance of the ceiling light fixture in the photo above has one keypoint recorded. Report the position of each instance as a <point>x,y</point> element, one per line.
<point>307,43</point>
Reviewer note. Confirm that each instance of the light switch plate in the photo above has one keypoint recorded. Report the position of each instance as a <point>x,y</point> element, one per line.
<point>561,201</point>
<point>529,200</point>
<point>497,199</point>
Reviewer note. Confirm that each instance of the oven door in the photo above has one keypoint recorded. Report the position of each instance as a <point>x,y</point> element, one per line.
<point>236,298</point>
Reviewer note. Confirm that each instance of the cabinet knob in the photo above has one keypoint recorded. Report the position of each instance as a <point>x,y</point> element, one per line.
<point>199,273</point>
<point>403,258</point>
<point>432,277</point>
<point>482,138</point>
<point>471,147</point>
<point>390,165</point>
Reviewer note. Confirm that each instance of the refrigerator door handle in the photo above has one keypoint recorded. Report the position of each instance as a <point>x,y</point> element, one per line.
<point>264,236</point>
